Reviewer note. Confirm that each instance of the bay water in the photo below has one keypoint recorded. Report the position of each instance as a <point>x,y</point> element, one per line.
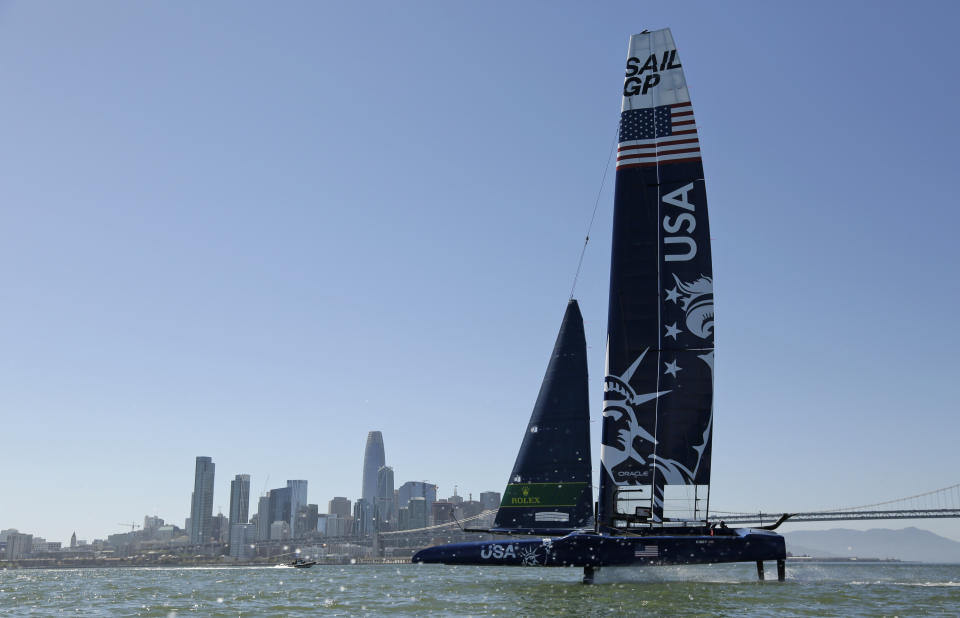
<point>811,589</point>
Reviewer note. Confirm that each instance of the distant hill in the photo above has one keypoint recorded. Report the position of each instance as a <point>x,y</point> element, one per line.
<point>800,550</point>
<point>911,544</point>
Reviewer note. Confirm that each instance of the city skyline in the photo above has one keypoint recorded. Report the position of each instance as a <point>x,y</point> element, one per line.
<point>239,500</point>
<point>204,256</point>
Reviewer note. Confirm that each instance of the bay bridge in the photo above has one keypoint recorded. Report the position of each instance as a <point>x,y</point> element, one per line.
<point>936,504</point>
<point>400,545</point>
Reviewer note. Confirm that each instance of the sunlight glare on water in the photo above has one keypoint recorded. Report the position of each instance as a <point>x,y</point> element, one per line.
<point>865,589</point>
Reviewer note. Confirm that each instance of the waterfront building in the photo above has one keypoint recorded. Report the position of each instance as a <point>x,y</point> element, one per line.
<point>469,508</point>
<point>18,545</point>
<point>201,503</point>
<point>73,540</point>
<point>242,537</point>
<point>281,502</point>
<point>442,512</point>
<point>263,518</point>
<point>298,498</point>
<point>362,518</point>
<point>335,525</point>
<point>279,530</point>
<point>343,508</point>
<point>416,489</point>
<point>490,500</point>
<point>240,499</point>
<point>306,520</point>
<point>384,511</point>
<point>220,530</point>
<point>38,545</point>
<point>373,460</point>
<point>339,506</point>
<point>417,510</point>
<point>151,523</point>
<point>163,533</point>
<point>322,523</point>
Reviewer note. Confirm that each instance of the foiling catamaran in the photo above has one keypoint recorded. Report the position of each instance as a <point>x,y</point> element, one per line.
<point>658,392</point>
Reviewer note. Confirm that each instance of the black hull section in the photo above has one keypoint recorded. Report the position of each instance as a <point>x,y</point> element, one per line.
<point>598,550</point>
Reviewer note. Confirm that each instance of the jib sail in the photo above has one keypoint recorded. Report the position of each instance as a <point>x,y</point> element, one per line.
<point>550,487</point>
<point>658,392</point>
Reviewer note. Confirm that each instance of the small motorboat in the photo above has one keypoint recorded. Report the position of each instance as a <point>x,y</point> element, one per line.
<point>300,563</point>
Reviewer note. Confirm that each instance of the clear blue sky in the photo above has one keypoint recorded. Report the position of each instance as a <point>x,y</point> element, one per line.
<point>258,231</point>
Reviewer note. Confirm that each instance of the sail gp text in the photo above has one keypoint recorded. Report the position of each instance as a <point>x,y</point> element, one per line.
<point>675,225</point>
<point>641,78</point>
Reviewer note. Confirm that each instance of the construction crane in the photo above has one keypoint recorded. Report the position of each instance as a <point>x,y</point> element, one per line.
<point>133,525</point>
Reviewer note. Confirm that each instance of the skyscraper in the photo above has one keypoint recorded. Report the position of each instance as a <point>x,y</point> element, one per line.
<point>339,506</point>
<point>362,517</point>
<point>416,489</point>
<point>280,507</point>
<point>201,502</point>
<point>263,518</point>
<point>386,518</point>
<point>489,501</point>
<point>306,520</point>
<point>242,537</point>
<point>240,499</point>
<point>373,460</point>
<point>417,510</point>
<point>298,498</point>
<point>220,528</point>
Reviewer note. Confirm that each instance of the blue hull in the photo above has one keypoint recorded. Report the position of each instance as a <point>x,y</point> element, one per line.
<point>596,550</point>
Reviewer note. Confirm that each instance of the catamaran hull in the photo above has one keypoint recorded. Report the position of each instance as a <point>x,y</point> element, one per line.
<point>597,550</point>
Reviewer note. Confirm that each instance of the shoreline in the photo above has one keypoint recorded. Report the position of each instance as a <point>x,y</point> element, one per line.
<point>124,563</point>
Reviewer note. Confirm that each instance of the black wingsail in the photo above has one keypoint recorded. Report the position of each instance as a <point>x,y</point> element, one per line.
<point>550,488</point>
<point>658,392</point>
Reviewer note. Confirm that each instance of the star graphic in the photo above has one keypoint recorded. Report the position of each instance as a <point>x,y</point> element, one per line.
<point>672,330</point>
<point>672,369</point>
<point>672,294</point>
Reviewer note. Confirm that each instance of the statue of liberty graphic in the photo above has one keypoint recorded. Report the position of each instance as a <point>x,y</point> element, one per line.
<point>628,452</point>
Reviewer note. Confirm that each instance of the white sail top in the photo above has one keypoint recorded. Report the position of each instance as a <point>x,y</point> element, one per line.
<point>654,76</point>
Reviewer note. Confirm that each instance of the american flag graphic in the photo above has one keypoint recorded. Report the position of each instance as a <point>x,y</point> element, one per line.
<point>657,135</point>
<point>647,551</point>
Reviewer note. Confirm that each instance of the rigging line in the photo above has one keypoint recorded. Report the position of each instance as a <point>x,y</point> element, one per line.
<point>596,204</point>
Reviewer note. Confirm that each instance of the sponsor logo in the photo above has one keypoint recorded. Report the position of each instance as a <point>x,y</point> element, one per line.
<point>641,78</point>
<point>543,495</point>
<point>524,499</point>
